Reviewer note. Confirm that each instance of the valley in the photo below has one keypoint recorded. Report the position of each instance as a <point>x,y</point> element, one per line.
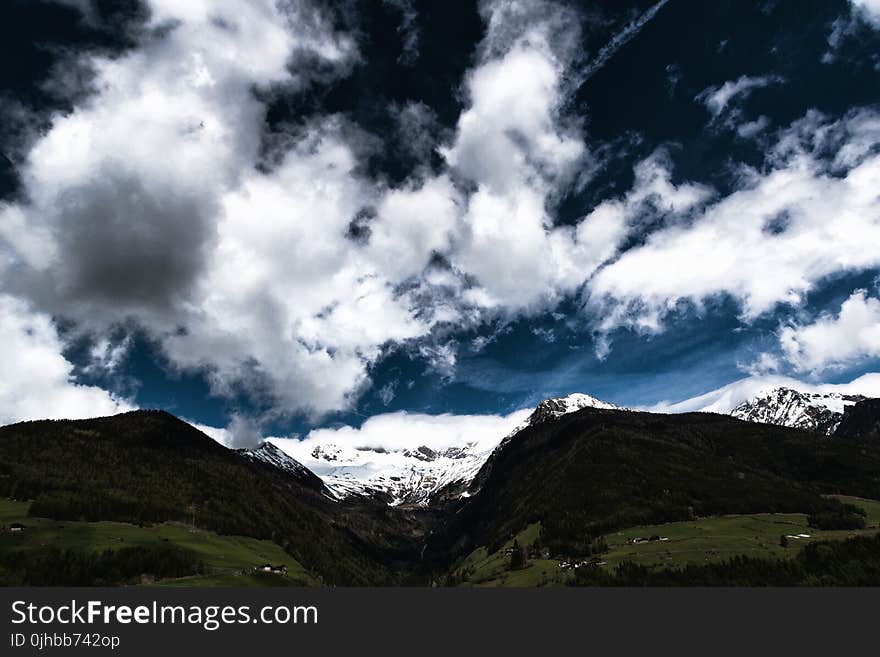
<point>579,487</point>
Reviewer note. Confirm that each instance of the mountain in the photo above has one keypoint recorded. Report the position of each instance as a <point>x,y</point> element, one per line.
<point>594,471</point>
<point>555,407</point>
<point>397,476</point>
<point>813,411</point>
<point>861,422</point>
<point>418,475</point>
<point>271,455</point>
<point>146,467</point>
<point>559,406</point>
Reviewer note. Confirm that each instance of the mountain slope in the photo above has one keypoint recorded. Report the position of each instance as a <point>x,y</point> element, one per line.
<point>861,422</point>
<point>819,412</point>
<point>271,455</point>
<point>594,471</point>
<point>148,466</point>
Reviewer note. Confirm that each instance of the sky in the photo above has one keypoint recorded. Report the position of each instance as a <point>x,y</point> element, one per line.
<point>281,217</point>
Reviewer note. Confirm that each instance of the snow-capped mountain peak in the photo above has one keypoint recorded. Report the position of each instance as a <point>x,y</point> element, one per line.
<point>558,406</point>
<point>814,411</point>
<point>398,476</point>
<point>274,456</point>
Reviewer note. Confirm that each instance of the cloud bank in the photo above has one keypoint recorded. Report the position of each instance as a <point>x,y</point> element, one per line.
<point>812,213</point>
<point>403,430</point>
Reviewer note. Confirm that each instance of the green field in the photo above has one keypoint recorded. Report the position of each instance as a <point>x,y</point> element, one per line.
<point>697,541</point>
<point>229,560</point>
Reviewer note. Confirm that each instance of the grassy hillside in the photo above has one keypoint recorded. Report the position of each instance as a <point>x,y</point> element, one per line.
<point>675,545</point>
<point>223,559</point>
<point>493,569</point>
<point>719,538</point>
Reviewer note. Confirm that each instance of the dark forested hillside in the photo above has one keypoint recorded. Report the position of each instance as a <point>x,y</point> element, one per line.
<point>148,466</point>
<point>594,471</point>
<point>861,422</point>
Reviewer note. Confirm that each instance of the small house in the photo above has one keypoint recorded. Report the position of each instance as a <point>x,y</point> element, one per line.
<point>269,568</point>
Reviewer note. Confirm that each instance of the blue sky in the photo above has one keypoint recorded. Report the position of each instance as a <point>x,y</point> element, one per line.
<point>304,215</point>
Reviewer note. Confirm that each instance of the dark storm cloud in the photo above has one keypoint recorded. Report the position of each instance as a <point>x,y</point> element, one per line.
<point>129,245</point>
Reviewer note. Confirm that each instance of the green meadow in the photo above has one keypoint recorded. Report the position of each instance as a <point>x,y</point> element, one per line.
<point>228,560</point>
<point>676,544</point>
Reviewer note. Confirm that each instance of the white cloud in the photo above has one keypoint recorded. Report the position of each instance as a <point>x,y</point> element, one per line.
<point>750,129</point>
<point>412,224</point>
<point>36,380</point>
<point>863,12</point>
<point>125,190</point>
<point>869,10</point>
<point>106,355</point>
<point>286,291</point>
<point>510,144</point>
<point>242,432</point>
<point>770,242</point>
<point>716,99</point>
<point>145,204</point>
<point>221,434</point>
<point>518,148</point>
<point>833,341</point>
<point>402,430</point>
<point>387,392</point>
<point>441,358</point>
<point>623,37</point>
<point>728,397</point>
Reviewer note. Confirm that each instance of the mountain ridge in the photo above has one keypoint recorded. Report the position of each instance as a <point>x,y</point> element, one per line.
<point>417,475</point>
<point>783,406</point>
<point>579,474</point>
<point>423,475</point>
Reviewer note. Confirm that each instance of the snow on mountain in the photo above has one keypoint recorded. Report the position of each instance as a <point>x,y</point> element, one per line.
<point>397,476</point>
<point>556,407</point>
<point>413,475</point>
<point>814,411</point>
<point>276,457</point>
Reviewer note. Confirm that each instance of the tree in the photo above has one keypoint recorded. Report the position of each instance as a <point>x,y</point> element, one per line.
<point>783,541</point>
<point>519,558</point>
